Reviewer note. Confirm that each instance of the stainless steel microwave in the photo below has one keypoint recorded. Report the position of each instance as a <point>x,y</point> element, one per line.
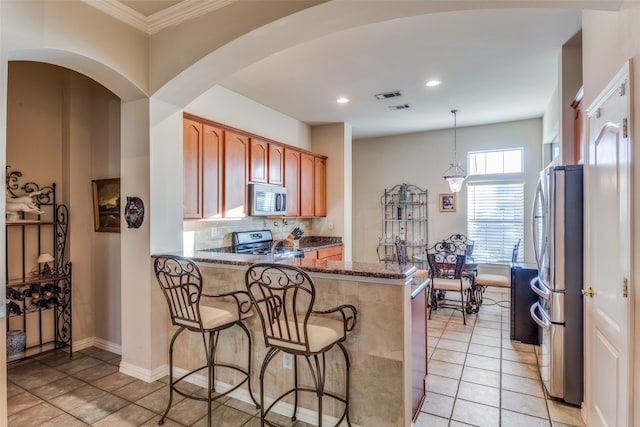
<point>267,199</point>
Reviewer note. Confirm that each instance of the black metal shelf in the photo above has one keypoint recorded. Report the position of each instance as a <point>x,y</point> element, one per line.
<point>34,291</point>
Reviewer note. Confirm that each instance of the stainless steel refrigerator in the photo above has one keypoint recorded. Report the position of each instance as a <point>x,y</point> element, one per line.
<point>558,242</point>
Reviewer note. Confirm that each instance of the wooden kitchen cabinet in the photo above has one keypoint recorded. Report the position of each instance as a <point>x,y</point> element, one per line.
<point>192,169</point>
<point>266,162</point>
<point>292,180</point>
<point>320,186</point>
<point>276,164</point>
<point>331,253</point>
<point>236,160</point>
<point>258,161</point>
<point>219,161</point>
<point>307,194</point>
<point>202,149</point>
<point>212,146</point>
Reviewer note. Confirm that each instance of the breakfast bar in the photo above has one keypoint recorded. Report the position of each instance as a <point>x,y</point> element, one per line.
<point>387,348</point>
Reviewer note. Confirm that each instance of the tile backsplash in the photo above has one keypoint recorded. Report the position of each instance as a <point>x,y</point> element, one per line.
<point>205,234</point>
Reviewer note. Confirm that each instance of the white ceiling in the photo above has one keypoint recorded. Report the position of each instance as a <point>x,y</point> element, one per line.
<point>495,66</point>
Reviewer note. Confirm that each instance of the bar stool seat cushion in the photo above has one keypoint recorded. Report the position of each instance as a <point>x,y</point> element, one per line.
<point>492,280</point>
<point>322,332</point>
<point>215,315</point>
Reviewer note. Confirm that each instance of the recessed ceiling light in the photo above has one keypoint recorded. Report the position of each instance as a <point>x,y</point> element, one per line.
<point>342,100</point>
<point>432,83</point>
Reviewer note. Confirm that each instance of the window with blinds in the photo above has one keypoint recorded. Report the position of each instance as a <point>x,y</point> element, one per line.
<point>495,220</point>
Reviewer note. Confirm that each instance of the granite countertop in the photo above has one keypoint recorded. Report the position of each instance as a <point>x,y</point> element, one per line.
<point>314,243</point>
<point>363,269</point>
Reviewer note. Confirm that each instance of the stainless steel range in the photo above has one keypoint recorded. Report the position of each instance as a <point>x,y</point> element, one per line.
<point>261,242</point>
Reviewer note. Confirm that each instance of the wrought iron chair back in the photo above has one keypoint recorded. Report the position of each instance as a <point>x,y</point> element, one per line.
<point>181,284</point>
<point>446,260</point>
<point>283,297</point>
<point>461,241</point>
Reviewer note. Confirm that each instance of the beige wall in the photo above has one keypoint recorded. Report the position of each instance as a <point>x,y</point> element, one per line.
<point>420,159</point>
<point>609,40</point>
<point>64,128</point>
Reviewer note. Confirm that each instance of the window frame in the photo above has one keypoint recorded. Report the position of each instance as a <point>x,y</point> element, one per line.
<point>496,179</point>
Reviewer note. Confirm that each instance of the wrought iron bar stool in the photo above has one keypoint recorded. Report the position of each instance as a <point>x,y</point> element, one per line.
<point>284,298</point>
<point>181,282</point>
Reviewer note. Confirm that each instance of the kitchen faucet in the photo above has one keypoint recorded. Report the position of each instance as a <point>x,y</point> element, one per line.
<point>277,242</point>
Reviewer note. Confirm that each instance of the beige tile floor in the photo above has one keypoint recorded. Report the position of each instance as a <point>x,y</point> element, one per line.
<point>479,377</point>
<point>57,391</point>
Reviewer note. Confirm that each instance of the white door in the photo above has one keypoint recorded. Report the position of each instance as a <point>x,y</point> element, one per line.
<point>607,257</point>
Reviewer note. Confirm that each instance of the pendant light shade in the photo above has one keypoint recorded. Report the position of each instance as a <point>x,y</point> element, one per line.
<point>455,175</point>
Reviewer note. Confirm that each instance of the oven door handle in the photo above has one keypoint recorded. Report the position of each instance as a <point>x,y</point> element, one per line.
<point>542,293</point>
<point>544,322</point>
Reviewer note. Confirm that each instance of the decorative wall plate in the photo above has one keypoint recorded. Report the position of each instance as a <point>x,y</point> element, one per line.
<point>134,212</point>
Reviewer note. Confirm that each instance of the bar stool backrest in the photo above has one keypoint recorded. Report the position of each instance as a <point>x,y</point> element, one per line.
<point>181,282</point>
<point>283,296</point>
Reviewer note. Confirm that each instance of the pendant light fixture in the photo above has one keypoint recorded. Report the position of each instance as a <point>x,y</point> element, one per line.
<point>455,175</point>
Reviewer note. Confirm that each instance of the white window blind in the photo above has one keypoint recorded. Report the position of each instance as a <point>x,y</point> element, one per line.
<point>495,220</point>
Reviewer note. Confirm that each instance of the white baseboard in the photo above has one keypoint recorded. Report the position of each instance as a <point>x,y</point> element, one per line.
<point>143,374</point>
<point>97,342</point>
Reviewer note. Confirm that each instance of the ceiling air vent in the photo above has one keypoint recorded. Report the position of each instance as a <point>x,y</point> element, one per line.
<point>399,107</point>
<point>388,95</point>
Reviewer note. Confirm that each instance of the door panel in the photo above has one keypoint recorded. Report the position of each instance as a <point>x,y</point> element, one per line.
<point>258,166</point>
<point>236,159</point>
<point>211,171</point>
<point>191,169</point>
<point>292,181</point>
<point>307,207</point>
<point>276,164</point>
<point>607,251</point>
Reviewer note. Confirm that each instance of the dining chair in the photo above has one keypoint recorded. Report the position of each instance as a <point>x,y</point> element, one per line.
<point>445,269</point>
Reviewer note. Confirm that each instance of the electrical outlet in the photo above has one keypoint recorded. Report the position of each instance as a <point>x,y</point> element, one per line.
<point>214,231</point>
<point>287,361</point>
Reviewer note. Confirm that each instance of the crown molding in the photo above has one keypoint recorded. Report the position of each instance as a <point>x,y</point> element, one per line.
<point>174,15</point>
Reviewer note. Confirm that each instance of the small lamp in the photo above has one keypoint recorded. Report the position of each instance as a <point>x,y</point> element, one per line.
<point>45,259</point>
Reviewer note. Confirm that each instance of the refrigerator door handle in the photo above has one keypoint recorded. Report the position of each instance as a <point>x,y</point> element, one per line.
<point>542,322</point>
<point>536,219</point>
<point>541,290</point>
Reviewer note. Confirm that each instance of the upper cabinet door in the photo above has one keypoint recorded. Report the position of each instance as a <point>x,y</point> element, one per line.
<point>276,164</point>
<point>192,169</point>
<point>307,203</point>
<point>236,160</point>
<point>258,163</point>
<point>320,186</point>
<point>212,146</point>
<point>292,181</point>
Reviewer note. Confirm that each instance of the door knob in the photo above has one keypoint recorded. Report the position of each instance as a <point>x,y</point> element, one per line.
<point>590,292</point>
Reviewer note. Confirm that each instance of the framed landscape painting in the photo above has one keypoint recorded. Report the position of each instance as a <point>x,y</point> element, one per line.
<point>106,204</point>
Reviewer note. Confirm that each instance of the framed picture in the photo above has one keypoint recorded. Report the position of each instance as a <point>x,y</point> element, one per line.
<point>106,205</point>
<point>448,202</point>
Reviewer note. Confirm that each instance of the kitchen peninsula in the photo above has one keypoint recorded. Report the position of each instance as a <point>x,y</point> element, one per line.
<point>387,347</point>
